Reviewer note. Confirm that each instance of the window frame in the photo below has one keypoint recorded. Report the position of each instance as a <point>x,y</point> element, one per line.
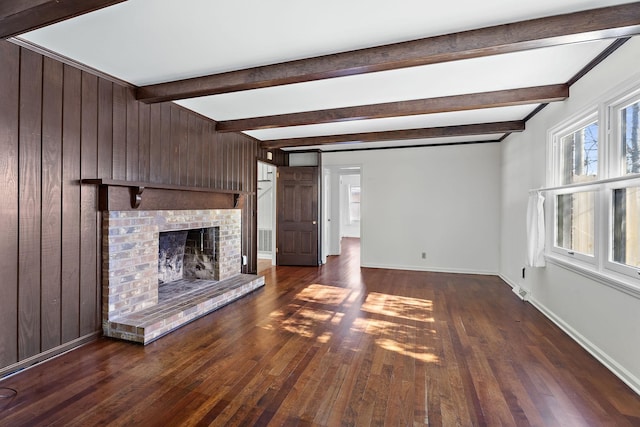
<point>554,172</point>
<point>573,254</point>
<point>608,263</point>
<point>611,176</point>
<point>613,111</point>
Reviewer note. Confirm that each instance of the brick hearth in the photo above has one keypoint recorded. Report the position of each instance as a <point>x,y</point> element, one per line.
<point>133,308</point>
<point>197,298</point>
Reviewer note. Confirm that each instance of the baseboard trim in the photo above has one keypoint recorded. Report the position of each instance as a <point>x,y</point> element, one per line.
<point>430,269</point>
<point>20,366</point>
<point>627,377</point>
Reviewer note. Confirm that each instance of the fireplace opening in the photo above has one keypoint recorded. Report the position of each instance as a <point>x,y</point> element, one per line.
<point>188,255</point>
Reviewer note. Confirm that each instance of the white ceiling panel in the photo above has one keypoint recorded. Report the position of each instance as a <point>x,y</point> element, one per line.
<point>401,143</point>
<point>395,123</point>
<point>523,69</point>
<point>151,41</point>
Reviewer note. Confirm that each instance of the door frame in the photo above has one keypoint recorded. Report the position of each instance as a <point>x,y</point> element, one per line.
<point>274,201</point>
<point>331,201</point>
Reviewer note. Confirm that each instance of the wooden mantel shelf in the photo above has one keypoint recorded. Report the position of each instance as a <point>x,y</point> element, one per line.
<point>127,195</point>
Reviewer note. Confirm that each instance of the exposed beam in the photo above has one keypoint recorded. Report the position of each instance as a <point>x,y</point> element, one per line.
<point>20,16</point>
<point>608,22</point>
<point>473,101</point>
<point>436,132</point>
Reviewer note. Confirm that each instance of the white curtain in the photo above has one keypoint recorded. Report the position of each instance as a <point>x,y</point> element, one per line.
<point>535,230</point>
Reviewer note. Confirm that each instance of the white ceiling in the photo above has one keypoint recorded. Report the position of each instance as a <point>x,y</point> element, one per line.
<point>153,41</point>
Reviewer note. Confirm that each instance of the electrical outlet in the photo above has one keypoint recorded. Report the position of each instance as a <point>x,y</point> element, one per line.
<point>424,255</point>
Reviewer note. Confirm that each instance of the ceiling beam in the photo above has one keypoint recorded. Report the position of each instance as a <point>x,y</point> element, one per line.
<point>473,101</point>
<point>397,135</point>
<point>20,16</point>
<point>608,22</point>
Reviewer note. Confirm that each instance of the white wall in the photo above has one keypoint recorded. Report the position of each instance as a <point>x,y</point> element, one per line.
<point>604,320</point>
<point>444,201</point>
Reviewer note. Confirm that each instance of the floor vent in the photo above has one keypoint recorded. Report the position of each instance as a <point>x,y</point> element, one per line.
<point>523,293</point>
<point>265,244</point>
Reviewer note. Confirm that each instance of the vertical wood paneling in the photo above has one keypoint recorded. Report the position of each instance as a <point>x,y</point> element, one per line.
<point>119,142</point>
<point>144,156</point>
<point>166,145</point>
<point>89,213</point>
<point>195,159</point>
<point>253,240</point>
<point>218,164</point>
<point>30,204</point>
<point>215,163</point>
<point>51,203</point>
<point>70,245</point>
<point>191,149</point>
<point>183,141</point>
<point>59,125</point>
<point>155,147</point>
<point>222,163</point>
<point>9,108</point>
<point>174,160</point>
<point>133,167</point>
<point>237,167</point>
<point>245,165</point>
<point>105,129</point>
<point>206,143</point>
<point>227,167</point>
<point>231,163</point>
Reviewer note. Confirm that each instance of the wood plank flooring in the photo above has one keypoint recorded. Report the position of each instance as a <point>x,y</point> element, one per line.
<point>336,345</point>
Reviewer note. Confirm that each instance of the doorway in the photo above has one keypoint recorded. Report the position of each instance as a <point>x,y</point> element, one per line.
<point>341,195</point>
<point>266,212</point>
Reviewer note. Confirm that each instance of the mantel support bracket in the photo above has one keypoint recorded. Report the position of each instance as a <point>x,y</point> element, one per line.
<point>136,196</point>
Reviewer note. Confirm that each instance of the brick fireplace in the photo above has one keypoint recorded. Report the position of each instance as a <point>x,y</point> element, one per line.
<point>135,307</point>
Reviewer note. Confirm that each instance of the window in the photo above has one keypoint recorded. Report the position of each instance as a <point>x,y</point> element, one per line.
<point>629,129</point>
<point>625,240</point>
<point>354,203</point>
<point>575,222</point>
<point>595,189</point>
<point>576,156</point>
<point>579,155</point>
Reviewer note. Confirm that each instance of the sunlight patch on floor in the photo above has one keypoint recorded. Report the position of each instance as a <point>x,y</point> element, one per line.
<point>305,321</point>
<point>323,294</point>
<point>395,323</point>
<point>399,306</point>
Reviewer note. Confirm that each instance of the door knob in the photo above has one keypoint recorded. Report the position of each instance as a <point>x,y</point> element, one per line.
<point>314,223</point>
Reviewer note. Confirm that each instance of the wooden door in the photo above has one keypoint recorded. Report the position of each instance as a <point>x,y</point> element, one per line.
<point>297,213</point>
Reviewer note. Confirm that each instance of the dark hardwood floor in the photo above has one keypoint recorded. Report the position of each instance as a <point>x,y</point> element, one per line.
<point>336,345</point>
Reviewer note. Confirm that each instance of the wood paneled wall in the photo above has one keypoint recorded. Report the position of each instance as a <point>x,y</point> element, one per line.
<point>59,125</point>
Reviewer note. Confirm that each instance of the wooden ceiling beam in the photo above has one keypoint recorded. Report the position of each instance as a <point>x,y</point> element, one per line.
<point>21,16</point>
<point>398,135</point>
<point>473,101</point>
<point>607,22</point>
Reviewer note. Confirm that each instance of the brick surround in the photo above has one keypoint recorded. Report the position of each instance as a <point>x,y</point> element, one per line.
<point>130,264</point>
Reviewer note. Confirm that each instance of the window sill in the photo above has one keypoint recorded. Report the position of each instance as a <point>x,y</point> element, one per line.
<point>619,283</point>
